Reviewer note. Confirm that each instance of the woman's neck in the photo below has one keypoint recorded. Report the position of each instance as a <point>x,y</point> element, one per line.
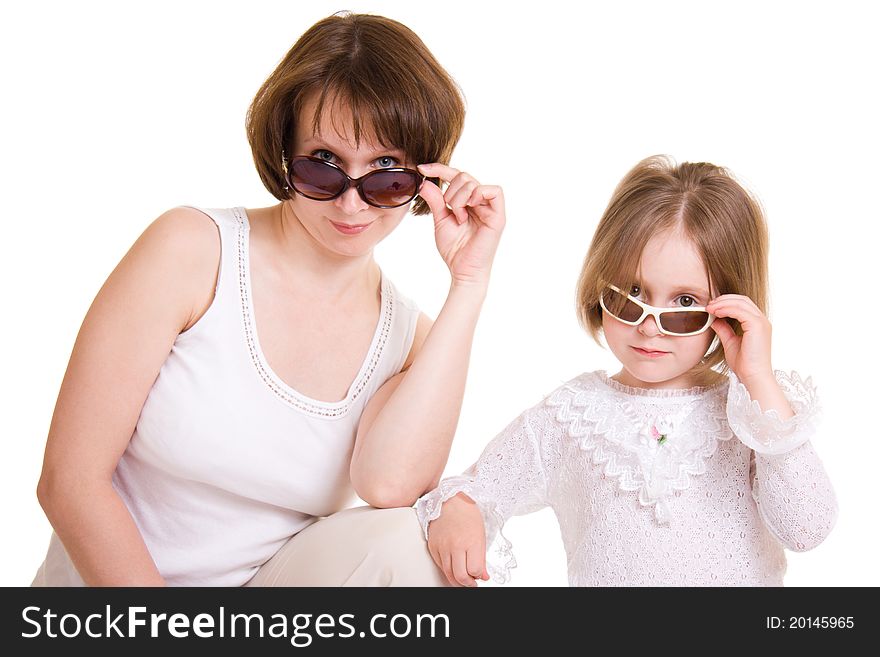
<point>296,256</point>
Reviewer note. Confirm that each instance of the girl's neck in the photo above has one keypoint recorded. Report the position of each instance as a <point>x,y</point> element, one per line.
<point>683,382</point>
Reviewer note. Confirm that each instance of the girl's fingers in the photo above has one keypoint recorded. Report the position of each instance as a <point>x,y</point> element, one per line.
<point>728,338</point>
<point>459,569</point>
<point>435,554</point>
<point>446,560</point>
<point>724,330</point>
<point>476,563</point>
<point>737,297</point>
<point>736,309</point>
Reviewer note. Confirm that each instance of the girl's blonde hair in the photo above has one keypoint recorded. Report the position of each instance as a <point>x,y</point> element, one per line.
<point>704,202</point>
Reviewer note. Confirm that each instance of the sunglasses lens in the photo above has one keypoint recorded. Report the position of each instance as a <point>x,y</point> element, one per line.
<point>684,322</point>
<point>621,307</point>
<point>316,180</point>
<point>390,188</point>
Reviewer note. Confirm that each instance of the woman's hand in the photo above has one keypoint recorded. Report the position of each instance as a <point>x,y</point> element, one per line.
<point>747,355</point>
<point>468,221</point>
<point>457,541</point>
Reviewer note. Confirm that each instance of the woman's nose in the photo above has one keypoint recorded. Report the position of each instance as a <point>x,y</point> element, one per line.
<point>649,327</point>
<point>350,202</point>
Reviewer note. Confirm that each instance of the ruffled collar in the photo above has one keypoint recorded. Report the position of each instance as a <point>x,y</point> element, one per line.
<point>602,377</point>
<point>649,440</point>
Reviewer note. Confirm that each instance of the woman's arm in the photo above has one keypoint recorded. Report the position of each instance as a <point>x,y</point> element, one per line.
<point>406,431</point>
<point>157,290</point>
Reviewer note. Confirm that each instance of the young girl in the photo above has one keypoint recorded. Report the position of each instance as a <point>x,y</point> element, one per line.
<point>690,466</point>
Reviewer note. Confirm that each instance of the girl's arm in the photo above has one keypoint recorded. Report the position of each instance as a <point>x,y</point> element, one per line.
<point>775,415</point>
<point>512,477</point>
<point>151,296</point>
<point>406,431</point>
<point>790,487</point>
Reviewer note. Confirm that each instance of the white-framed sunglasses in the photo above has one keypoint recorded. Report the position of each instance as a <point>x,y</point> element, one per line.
<point>680,321</point>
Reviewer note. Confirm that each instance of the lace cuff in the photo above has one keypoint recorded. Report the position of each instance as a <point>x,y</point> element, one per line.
<point>499,556</point>
<point>764,431</point>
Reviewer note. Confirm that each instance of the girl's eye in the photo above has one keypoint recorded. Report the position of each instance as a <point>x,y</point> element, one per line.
<point>386,161</point>
<point>635,291</point>
<point>686,301</point>
<point>327,156</point>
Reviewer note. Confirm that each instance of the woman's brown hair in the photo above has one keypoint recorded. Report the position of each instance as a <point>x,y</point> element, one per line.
<point>705,203</point>
<point>377,67</point>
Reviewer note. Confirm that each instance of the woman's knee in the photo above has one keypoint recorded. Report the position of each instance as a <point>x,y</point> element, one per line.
<point>396,550</point>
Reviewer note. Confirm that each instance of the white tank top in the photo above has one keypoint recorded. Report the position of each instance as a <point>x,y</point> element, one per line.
<point>227,462</point>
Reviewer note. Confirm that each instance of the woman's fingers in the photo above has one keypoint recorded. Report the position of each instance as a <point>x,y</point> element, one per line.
<point>461,180</point>
<point>436,203</point>
<point>493,197</point>
<point>438,170</point>
<point>458,200</point>
<point>459,193</point>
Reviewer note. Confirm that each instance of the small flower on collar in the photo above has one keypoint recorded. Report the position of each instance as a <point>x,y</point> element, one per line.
<point>657,435</point>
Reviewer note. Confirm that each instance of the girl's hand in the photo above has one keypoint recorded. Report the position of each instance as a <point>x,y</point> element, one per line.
<point>468,221</point>
<point>457,542</point>
<point>747,355</point>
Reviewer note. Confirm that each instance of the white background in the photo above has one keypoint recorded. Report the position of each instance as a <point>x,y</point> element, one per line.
<point>115,112</point>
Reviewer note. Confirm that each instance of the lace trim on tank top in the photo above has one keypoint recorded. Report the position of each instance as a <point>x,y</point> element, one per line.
<point>272,381</point>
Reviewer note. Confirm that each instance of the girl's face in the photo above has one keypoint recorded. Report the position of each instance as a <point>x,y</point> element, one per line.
<point>671,274</point>
<point>346,225</point>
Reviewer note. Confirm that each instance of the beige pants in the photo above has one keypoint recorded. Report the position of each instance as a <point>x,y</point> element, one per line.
<point>362,546</point>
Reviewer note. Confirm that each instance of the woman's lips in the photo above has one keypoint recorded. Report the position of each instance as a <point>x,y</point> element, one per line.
<point>351,229</point>
<point>647,353</point>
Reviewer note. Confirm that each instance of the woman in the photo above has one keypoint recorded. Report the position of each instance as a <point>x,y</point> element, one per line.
<point>219,402</point>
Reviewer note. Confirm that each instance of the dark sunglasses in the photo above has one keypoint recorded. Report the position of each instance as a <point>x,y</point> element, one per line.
<point>680,321</point>
<point>320,180</point>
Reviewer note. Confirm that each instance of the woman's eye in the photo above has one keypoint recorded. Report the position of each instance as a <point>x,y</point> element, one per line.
<point>386,161</point>
<point>635,291</point>
<point>686,301</point>
<point>327,156</point>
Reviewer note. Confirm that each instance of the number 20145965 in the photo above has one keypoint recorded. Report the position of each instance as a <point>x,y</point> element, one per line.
<point>810,622</point>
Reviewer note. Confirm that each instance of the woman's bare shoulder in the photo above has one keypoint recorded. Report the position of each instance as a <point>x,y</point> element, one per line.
<point>183,229</point>
<point>181,247</point>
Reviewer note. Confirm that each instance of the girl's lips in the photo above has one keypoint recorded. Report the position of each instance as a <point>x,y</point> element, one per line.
<point>351,229</point>
<point>649,353</point>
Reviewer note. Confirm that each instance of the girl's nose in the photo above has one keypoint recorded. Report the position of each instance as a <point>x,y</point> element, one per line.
<point>649,327</point>
<point>350,202</point>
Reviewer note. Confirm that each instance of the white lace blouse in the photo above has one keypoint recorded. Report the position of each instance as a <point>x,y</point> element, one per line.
<point>656,487</point>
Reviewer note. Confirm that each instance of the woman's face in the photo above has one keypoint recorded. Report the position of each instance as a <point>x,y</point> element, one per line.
<point>671,274</point>
<point>346,225</point>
